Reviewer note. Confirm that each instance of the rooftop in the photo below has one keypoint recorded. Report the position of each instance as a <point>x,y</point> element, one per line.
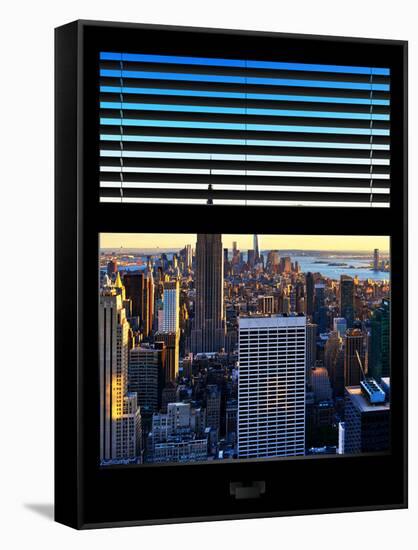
<point>373,390</point>
<point>272,320</point>
<point>361,402</point>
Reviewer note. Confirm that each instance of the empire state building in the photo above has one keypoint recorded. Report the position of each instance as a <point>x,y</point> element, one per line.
<point>208,332</point>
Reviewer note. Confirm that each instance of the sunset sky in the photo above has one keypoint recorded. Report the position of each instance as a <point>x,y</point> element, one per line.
<point>280,242</point>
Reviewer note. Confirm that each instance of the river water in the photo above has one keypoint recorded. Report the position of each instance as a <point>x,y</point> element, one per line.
<point>355,266</point>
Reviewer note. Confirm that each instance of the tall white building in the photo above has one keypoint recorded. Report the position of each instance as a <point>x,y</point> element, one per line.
<point>120,420</point>
<point>341,438</point>
<point>271,386</point>
<point>169,319</point>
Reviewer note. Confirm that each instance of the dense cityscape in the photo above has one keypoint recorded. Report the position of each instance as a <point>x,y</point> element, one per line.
<point>210,352</point>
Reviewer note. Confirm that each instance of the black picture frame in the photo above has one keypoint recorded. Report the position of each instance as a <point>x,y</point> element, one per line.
<point>87,496</point>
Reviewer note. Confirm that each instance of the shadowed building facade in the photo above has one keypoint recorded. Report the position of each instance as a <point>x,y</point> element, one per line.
<point>146,377</point>
<point>170,341</point>
<point>256,247</point>
<point>334,355</point>
<point>367,418</point>
<point>208,333</point>
<point>134,284</point>
<point>379,354</point>
<point>347,299</point>
<point>354,342</point>
<point>310,285</point>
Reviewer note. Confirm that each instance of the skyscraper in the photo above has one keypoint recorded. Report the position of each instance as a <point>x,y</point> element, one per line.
<point>271,386</point>
<point>311,336</point>
<point>146,377</point>
<point>251,257</point>
<point>171,341</point>
<point>273,261</point>
<point>120,420</point>
<point>146,307</point>
<point>231,420</point>
<point>171,307</point>
<point>319,296</point>
<point>226,259</point>
<point>367,419</point>
<point>256,248</point>
<point>149,300</point>
<point>213,407</point>
<point>347,299</point>
<point>379,365</point>
<point>189,256</point>
<point>340,325</point>
<point>321,386</point>
<point>134,287</point>
<point>208,333</point>
<point>334,362</point>
<point>310,285</point>
<point>286,264</point>
<point>320,309</point>
<point>354,343</point>
<point>299,297</point>
<point>376,260</point>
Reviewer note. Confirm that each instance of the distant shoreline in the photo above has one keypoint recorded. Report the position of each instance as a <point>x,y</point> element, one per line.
<point>282,251</point>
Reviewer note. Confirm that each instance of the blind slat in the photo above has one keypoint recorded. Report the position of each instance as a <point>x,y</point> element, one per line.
<point>179,129</point>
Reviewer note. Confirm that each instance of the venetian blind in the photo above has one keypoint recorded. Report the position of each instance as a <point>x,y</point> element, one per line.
<point>243,132</point>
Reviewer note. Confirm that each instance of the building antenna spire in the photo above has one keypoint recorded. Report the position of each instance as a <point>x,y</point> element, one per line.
<point>360,364</point>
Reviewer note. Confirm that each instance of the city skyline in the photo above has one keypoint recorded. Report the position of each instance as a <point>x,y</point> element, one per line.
<point>211,351</point>
<point>341,243</point>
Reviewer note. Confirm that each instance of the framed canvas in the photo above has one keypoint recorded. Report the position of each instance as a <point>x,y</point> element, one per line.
<point>231,274</point>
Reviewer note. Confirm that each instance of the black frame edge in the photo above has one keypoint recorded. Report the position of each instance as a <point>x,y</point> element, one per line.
<point>67,487</point>
<point>405,266</point>
<point>254,515</point>
<point>244,32</point>
<point>69,149</point>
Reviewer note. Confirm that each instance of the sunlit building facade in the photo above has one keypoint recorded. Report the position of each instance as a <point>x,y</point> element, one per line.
<point>120,421</point>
